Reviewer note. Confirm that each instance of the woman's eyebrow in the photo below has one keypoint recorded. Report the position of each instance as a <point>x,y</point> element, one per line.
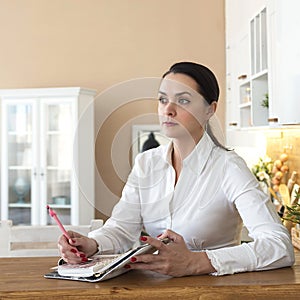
<point>182,93</point>
<point>177,94</point>
<point>160,92</point>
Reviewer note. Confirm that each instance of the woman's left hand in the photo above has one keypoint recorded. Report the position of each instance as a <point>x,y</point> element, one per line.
<point>173,259</point>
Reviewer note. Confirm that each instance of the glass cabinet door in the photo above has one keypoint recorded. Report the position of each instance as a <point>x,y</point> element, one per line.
<point>57,157</point>
<point>19,148</point>
<point>45,133</point>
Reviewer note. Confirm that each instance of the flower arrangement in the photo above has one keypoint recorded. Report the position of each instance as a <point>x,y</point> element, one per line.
<point>263,170</point>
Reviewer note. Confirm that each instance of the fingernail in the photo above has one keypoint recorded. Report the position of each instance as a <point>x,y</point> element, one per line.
<point>73,241</point>
<point>127,267</point>
<point>84,259</point>
<point>82,255</point>
<point>133,259</point>
<point>73,250</point>
<point>143,238</point>
<point>159,235</point>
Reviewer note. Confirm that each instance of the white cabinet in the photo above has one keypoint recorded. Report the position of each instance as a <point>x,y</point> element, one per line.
<point>285,60</point>
<point>47,155</point>
<point>247,63</point>
<point>265,63</point>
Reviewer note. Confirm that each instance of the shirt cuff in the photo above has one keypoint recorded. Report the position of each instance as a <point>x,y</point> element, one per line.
<point>105,246</point>
<point>231,260</point>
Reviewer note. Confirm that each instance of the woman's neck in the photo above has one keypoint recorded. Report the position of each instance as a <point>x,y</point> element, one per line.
<point>182,149</point>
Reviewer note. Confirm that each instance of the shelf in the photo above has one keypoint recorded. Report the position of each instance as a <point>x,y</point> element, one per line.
<point>19,205</point>
<point>260,74</point>
<point>245,105</point>
<point>25,168</point>
<point>245,82</point>
<point>58,206</point>
<point>19,133</point>
<point>55,168</point>
<point>58,132</point>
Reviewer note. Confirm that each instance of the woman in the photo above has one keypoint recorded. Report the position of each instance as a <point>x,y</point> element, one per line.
<point>192,191</point>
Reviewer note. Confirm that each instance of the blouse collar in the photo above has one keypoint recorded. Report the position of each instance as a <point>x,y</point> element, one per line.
<point>197,159</point>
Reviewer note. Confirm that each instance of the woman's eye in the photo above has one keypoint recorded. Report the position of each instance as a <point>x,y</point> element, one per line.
<point>183,101</point>
<point>162,100</point>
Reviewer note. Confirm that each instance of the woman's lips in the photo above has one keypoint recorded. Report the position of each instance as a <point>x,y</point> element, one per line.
<point>169,124</point>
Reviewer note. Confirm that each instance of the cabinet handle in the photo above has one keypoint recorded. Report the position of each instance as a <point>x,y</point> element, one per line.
<point>233,124</point>
<point>273,120</point>
<point>243,76</point>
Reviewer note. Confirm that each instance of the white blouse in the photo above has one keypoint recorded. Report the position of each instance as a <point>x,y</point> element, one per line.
<point>215,194</point>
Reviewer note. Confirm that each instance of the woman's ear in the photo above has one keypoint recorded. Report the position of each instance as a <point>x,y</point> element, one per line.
<point>212,109</point>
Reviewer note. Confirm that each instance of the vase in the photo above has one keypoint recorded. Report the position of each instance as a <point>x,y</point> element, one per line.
<point>21,188</point>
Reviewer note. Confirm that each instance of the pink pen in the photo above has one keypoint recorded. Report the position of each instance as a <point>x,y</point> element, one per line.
<point>53,215</point>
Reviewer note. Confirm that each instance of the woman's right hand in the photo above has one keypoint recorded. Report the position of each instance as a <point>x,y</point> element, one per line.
<point>77,248</point>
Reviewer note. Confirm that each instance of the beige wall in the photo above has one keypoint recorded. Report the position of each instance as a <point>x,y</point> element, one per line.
<point>101,43</point>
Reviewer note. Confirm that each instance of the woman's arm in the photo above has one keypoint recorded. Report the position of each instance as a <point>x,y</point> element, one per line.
<point>271,247</point>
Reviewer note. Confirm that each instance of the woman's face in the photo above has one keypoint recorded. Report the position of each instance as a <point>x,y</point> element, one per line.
<point>183,112</point>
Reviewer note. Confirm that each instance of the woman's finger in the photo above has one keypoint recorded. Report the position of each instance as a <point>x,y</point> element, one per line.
<point>173,236</point>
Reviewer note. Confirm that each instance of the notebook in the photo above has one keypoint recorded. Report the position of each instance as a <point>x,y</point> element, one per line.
<point>99,267</point>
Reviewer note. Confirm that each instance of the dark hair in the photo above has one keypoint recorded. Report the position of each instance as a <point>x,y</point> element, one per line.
<point>207,83</point>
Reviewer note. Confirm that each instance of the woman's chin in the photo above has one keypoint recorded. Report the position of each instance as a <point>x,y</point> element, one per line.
<point>172,132</point>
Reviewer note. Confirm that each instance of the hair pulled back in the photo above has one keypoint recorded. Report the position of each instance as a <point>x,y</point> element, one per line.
<point>207,83</point>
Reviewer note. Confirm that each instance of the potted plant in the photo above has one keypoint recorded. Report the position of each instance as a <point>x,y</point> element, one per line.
<point>265,101</point>
<point>292,213</point>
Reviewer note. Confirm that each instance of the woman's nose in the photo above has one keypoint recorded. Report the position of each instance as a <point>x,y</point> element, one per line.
<point>170,109</point>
